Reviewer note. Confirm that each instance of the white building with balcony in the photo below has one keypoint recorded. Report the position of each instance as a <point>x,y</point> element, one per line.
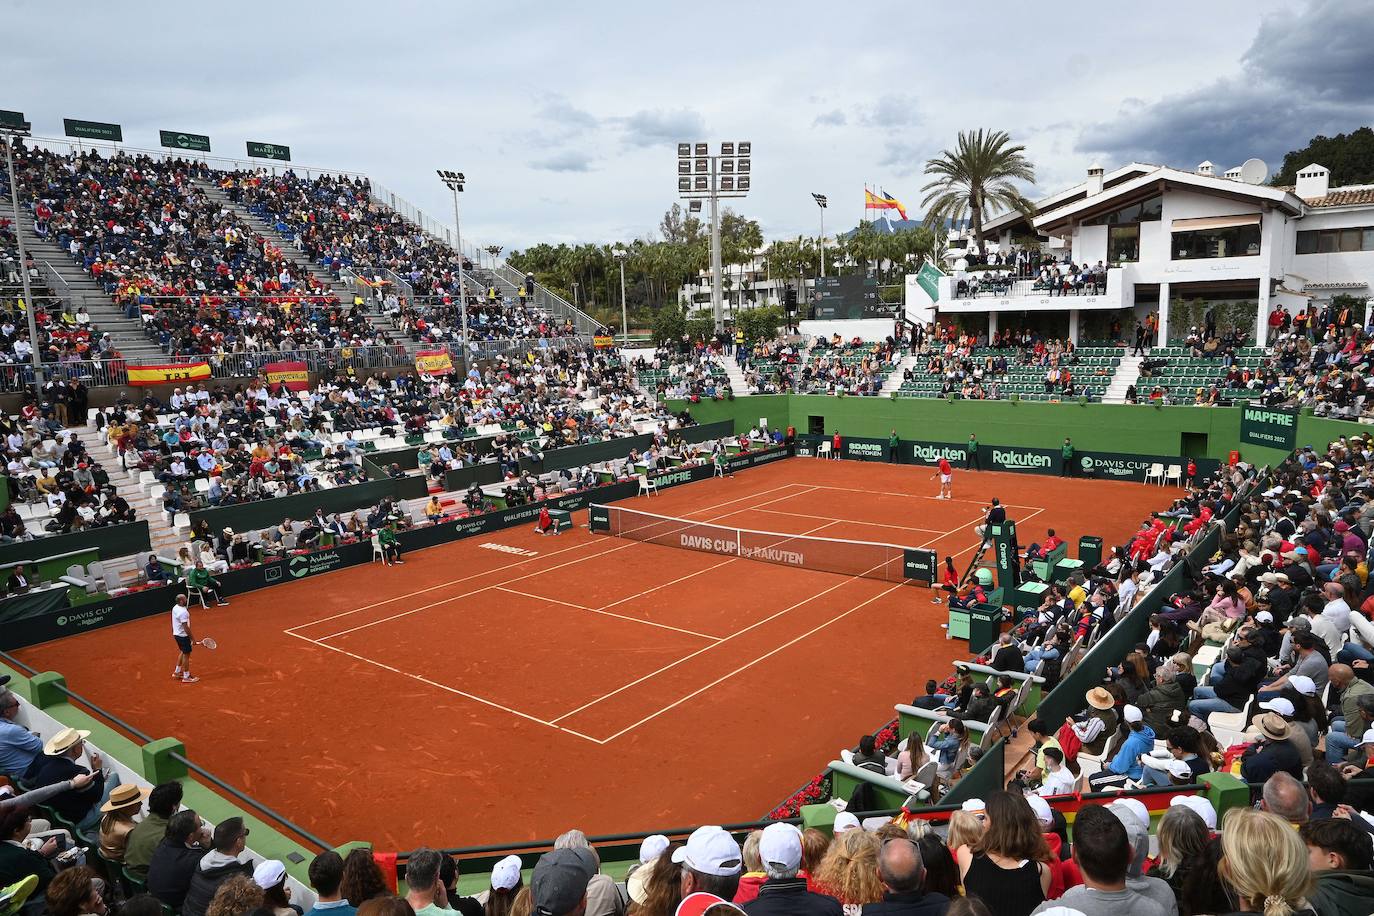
<point>1179,243</point>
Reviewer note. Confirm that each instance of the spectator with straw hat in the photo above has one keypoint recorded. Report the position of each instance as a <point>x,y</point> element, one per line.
<point>117,821</point>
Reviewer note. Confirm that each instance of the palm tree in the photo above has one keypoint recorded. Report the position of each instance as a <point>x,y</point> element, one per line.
<point>976,178</point>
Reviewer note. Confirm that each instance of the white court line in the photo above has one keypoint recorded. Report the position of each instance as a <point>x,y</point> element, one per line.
<point>539,572</point>
<point>671,582</point>
<point>855,521</point>
<point>971,502</point>
<point>478,575</point>
<point>432,683</point>
<point>649,623</point>
<point>746,666</point>
<point>670,665</point>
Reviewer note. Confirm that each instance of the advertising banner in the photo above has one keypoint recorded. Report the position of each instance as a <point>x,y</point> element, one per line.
<point>919,565</point>
<point>857,449</point>
<point>1019,458</point>
<point>292,373</point>
<point>603,341</point>
<point>1118,466</point>
<point>168,374</point>
<point>433,362</point>
<point>1269,427</point>
<point>930,453</point>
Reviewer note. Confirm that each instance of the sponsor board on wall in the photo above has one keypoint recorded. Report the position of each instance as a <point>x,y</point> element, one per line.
<point>1269,427</point>
<point>1019,458</point>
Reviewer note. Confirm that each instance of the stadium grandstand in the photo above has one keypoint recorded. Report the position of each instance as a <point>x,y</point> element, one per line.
<point>1003,571</point>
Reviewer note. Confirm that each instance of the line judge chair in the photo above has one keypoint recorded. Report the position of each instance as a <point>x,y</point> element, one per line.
<point>646,486</point>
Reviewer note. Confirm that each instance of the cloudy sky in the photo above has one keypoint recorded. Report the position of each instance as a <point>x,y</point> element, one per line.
<point>565,115</point>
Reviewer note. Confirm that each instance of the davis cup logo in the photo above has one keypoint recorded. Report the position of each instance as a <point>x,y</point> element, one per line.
<point>1087,463</point>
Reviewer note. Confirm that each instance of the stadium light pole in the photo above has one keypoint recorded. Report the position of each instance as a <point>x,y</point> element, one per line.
<point>12,129</point>
<point>619,253</point>
<point>454,181</point>
<point>821,202</point>
<point>703,176</point>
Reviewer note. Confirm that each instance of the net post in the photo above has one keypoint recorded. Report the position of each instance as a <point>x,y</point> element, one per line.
<point>599,517</point>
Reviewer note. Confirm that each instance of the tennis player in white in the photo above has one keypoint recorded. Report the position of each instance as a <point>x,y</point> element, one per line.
<point>181,632</point>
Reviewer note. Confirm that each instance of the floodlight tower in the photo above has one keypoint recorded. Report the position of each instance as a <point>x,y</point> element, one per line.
<point>703,176</point>
<point>455,181</point>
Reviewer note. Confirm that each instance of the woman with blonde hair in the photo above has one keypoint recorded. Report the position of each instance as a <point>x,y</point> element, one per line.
<point>662,888</point>
<point>849,871</point>
<point>965,829</point>
<point>814,846</point>
<point>754,874</point>
<point>1264,864</point>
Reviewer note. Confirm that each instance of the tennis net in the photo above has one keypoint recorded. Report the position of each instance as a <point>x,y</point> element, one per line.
<point>887,562</point>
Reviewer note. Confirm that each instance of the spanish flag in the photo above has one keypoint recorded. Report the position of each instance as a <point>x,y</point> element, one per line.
<point>882,201</point>
<point>168,374</point>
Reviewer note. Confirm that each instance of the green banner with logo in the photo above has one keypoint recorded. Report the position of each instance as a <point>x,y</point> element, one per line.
<point>175,139</point>
<point>93,130</point>
<point>930,453</point>
<point>258,150</point>
<point>1270,427</point>
<point>1019,458</point>
<point>13,120</point>
<point>928,277</point>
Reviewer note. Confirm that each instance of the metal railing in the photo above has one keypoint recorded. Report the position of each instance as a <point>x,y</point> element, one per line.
<point>550,301</point>
<point>64,145</point>
<point>77,699</point>
<point>113,373</point>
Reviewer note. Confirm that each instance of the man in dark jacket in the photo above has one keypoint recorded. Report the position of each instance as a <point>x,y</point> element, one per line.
<point>1340,855</point>
<point>785,894</point>
<point>175,859</point>
<point>58,764</point>
<point>1272,753</point>
<point>219,865</point>
<point>1233,689</point>
<point>902,872</point>
<point>1007,657</point>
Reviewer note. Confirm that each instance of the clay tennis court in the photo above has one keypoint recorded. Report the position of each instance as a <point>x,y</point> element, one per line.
<point>510,686</point>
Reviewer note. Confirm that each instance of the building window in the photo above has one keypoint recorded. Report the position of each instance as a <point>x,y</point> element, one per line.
<point>1327,241</point>
<point>1145,211</point>
<point>1226,242</point>
<point>1123,243</point>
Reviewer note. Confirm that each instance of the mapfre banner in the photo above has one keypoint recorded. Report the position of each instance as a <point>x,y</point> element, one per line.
<point>433,362</point>
<point>293,374</point>
<point>168,374</point>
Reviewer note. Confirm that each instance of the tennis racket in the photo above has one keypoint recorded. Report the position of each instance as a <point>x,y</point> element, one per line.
<point>208,642</point>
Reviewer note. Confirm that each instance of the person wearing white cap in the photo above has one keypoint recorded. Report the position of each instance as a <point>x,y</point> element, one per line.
<point>845,820</point>
<point>1140,739</point>
<point>1136,819</point>
<point>1184,745</point>
<point>506,882</point>
<point>710,863</point>
<point>270,875</point>
<point>637,878</point>
<point>1102,850</point>
<point>784,893</point>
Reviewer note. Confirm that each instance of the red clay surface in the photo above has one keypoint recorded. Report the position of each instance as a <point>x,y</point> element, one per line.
<point>474,696</point>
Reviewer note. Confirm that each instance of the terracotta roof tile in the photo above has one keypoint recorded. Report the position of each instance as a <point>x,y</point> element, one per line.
<point>1343,198</point>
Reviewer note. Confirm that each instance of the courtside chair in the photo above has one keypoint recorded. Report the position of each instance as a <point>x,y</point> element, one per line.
<point>194,593</point>
<point>1155,473</point>
<point>646,486</point>
<point>1175,474</point>
<point>377,553</point>
<point>824,449</point>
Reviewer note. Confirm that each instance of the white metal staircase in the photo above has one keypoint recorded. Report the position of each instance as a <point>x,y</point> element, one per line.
<point>1126,375</point>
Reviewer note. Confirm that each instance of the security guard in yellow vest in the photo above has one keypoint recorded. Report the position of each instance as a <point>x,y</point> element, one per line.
<point>739,343</point>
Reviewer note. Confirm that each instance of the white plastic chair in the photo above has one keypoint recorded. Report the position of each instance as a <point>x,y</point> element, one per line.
<point>1155,473</point>
<point>377,552</point>
<point>824,449</point>
<point>646,486</point>
<point>1174,474</point>
<point>194,593</point>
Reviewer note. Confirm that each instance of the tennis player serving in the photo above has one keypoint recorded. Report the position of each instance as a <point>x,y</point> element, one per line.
<point>181,632</point>
<point>946,475</point>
